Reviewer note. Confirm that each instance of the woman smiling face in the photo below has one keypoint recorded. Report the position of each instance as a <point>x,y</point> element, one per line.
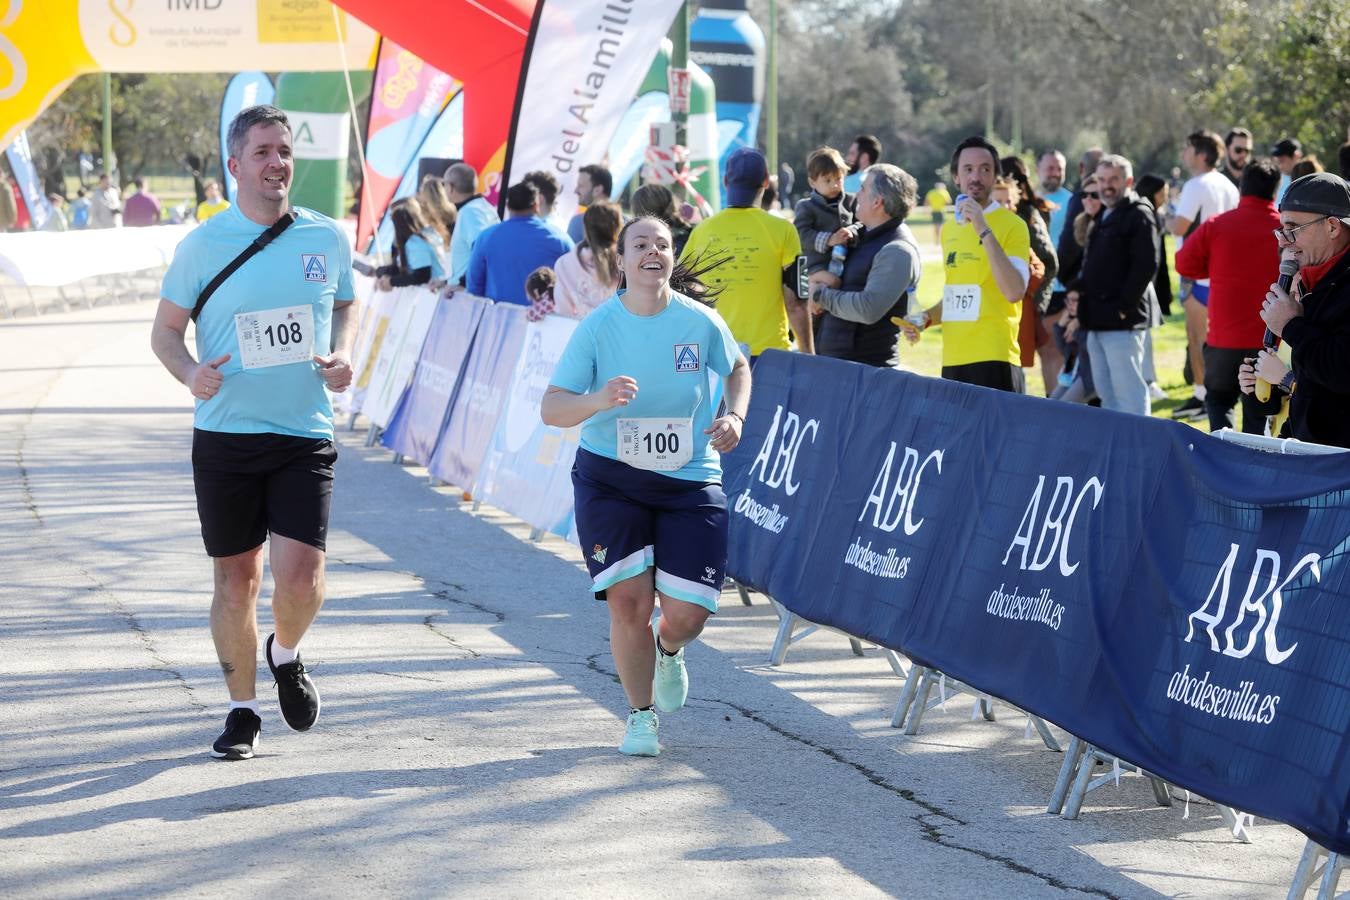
<point>648,254</point>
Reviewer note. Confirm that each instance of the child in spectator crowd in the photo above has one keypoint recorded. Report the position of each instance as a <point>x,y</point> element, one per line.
<point>824,218</point>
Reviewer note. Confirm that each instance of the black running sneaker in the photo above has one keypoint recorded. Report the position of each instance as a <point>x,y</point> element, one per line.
<point>240,737</point>
<point>296,693</point>
<point>1189,411</point>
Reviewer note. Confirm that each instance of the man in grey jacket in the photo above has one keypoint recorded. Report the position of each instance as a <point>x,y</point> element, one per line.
<point>881,271</point>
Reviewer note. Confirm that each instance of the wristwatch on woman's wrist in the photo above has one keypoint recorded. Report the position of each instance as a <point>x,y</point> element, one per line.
<point>1287,382</point>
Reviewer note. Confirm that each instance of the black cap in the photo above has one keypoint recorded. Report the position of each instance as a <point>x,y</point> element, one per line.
<point>1321,192</point>
<point>1286,147</point>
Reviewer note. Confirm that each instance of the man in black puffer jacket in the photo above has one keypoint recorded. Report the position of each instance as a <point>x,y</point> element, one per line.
<point>1113,303</point>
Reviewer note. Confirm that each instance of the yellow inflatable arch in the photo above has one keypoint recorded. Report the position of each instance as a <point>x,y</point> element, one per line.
<point>46,44</point>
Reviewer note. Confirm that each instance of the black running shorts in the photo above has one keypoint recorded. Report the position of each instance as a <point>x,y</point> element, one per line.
<point>251,484</point>
<point>1000,376</point>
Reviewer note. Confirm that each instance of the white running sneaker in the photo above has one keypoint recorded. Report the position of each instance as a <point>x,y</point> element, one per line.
<point>640,737</point>
<point>1155,392</point>
<point>670,683</point>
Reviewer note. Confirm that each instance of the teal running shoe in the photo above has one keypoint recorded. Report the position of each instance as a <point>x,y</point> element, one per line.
<point>640,737</point>
<point>670,683</point>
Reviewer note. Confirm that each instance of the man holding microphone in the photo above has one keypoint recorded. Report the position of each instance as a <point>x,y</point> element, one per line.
<point>1315,320</point>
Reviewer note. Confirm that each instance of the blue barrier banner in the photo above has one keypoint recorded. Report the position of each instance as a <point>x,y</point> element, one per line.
<point>396,356</point>
<point>1176,600</point>
<point>528,470</point>
<point>481,396</point>
<point>420,417</point>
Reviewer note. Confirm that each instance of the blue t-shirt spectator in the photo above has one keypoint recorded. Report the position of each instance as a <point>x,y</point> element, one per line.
<point>505,254</point>
<point>474,216</point>
<point>1058,216</point>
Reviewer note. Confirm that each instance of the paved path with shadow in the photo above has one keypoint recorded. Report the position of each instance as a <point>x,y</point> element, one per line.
<point>470,718</point>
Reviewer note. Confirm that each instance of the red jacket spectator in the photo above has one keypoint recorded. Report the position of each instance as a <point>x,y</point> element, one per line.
<point>1238,252</point>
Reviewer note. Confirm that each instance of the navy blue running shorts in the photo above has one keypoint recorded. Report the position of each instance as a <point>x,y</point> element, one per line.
<point>629,520</point>
<point>251,484</point>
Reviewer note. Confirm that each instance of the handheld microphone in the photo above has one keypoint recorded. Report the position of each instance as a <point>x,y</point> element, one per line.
<point>1288,269</point>
<point>1271,341</point>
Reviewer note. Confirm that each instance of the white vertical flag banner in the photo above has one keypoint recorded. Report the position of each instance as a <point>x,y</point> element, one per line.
<point>20,157</point>
<point>587,60</point>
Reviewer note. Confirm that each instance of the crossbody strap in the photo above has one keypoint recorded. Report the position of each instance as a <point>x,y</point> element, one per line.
<point>259,242</point>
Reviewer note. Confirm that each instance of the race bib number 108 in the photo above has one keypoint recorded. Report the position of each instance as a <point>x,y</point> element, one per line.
<point>275,337</point>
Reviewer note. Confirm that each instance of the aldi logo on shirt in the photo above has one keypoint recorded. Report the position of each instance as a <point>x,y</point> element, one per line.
<point>315,266</point>
<point>686,358</point>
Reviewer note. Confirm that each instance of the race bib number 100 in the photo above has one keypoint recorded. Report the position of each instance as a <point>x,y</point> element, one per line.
<point>961,303</point>
<point>275,337</point>
<point>662,445</point>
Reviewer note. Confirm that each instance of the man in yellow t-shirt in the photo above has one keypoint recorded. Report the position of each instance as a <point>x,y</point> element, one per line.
<point>937,200</point>
<point>214,202</point>
<point>763,285</point>
<point>985,255</point>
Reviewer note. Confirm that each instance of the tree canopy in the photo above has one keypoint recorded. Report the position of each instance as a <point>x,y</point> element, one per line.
<point>1133,77</point>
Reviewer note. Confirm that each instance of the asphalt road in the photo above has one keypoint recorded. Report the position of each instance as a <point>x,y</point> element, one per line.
<point>470,716</point>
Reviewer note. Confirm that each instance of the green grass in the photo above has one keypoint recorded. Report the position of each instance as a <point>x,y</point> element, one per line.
<point>1169,339</point>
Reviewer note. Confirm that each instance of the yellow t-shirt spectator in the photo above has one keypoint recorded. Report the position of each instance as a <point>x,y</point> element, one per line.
<point>206,209</point>
<point>757,246</point>
<point>978,322</point>
<point>937,199</point>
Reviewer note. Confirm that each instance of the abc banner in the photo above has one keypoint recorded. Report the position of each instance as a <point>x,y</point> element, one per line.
<point>1179,601</point>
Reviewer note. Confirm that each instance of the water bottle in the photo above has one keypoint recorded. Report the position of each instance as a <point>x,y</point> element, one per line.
<point>960,219</point>
<point>837,257</point>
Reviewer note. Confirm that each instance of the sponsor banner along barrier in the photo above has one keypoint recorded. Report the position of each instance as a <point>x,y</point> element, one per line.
<point>416,426</point>
<point>367,300</point>
<point>398,353</point>
<point>1179,601</point>
<point>59,258</point>
<point>528,469</point>
<point>481,395</point>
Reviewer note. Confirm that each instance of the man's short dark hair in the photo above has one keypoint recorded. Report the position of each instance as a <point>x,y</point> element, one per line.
<point>546,183</point>
<point>137,183</point>
<point>522,197</point>
<point>1051,152</point>
<point>600,178</point>
<point>1237,133</point>
<point>254,115</point>
<point>871,145</point>
<point>1259,179</point>
<point>975,142</point>
<point>1207,144</point>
